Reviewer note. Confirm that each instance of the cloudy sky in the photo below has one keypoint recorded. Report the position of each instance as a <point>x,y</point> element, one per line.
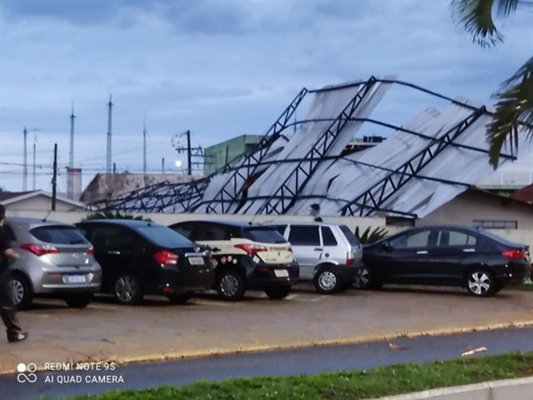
<point>217,68</point>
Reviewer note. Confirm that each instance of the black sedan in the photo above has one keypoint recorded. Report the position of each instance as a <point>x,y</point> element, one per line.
<point>472,258</point>
<point>139,257</point>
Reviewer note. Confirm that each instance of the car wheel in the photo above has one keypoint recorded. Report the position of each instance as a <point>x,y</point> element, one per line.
<point>128,289</point>
<point>230,286</point>
<point>363,278</point>
<point>21,291</point>
<point>179,298</point>
<point>278,292</point>
<point>480,283</point>
<point>328,281</point>
<point>80,300</point>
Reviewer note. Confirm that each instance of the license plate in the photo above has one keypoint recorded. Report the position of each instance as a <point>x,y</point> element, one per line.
<point>281,273</point>
<point>75,278</point>
<point>196,260</point>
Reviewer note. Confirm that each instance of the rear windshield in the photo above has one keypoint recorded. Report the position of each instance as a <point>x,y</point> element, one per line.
<point>264,235</point>
<point>59,235</point>
<point>349,235</point>
<point>164,237</point>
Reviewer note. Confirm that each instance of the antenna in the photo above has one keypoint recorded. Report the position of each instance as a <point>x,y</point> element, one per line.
<point>71,153</point>
<point>34,162</point>
<point>144,145</point>
<point>109,120</point>
<point>25,162</point>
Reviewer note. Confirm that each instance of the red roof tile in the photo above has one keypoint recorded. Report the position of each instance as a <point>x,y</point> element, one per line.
<point>524,194</point>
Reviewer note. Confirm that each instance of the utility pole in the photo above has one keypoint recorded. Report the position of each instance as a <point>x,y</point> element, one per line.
<point>189,153</point>
<point>109,127</point>
<point>163,165</point>
<point>54,180</point>
<point>144,147</point>
<point>25,162</point>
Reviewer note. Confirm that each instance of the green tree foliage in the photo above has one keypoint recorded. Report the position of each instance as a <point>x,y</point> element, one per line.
<point>369,235</point>
<point>514,98</point>
<point>114,215</point>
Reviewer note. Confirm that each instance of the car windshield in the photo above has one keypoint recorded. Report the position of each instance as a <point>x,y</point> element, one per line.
<point>59,235</point>
<point>164,237</point>
<point>349,235</point>
<point>264,235</point>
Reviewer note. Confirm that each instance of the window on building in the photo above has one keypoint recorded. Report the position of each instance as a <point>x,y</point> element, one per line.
<point>495,224</point>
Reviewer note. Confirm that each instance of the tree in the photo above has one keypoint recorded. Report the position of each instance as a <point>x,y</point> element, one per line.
<point>114,215</point>
<point>514,99</point>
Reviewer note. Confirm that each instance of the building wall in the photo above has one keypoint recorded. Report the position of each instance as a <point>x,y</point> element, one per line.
<point>111,185</point>
<point>168,219</point>
<point>219,155</point>
<point>472,205</point>
<point>38,204</point>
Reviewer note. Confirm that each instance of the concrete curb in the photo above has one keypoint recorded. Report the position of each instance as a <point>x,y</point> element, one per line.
<point>516,389</point>
<point>321,343</point>
<point>174,356</point>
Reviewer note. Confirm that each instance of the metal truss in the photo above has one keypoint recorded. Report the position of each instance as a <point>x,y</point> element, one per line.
<point>373,198</point>
<point>188,197</point>
<point>285,196</point>
<point>233,187</point>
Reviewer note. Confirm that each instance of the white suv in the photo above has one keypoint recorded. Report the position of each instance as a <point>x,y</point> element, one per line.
<point>329,255</point>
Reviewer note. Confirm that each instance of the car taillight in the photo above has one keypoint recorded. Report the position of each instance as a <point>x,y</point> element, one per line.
<point>350,259</point>
<point>40,249</point>
<point>290,249</point>
<point>90,250</point>
<point>515,254</point>
<point>251,249</point>
<point>166,258</point>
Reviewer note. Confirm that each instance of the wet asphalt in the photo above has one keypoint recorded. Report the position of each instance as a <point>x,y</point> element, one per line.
<point>278,363</point>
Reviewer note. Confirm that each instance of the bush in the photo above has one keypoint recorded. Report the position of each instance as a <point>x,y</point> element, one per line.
<point>371,236</point>
<point>114,215</point>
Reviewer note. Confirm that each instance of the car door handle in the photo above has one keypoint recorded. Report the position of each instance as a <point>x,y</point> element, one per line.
<point>318,249</point>
<point>469,250</point>
<point>113,252</point>
<point>422,252</point>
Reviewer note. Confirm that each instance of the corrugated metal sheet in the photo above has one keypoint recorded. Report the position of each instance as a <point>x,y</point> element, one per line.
<point>336,183</point>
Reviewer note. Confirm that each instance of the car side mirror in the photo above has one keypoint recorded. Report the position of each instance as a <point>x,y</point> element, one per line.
<point>386,246</point>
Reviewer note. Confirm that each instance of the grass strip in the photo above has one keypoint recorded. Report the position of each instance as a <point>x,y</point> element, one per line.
<point>528,287</point>
<point>354,385</point>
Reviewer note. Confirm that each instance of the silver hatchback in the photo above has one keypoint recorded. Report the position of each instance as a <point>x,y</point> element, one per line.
<point>329,255</point>
<point>56,261</point>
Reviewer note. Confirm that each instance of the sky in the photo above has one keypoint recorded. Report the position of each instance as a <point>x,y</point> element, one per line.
<point>217,68</point>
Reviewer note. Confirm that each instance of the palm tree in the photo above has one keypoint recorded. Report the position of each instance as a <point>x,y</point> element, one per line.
<point>514,99</point>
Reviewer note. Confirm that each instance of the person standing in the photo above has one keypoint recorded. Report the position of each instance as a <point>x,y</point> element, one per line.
<point>7,308</point>
<point>315,212</point>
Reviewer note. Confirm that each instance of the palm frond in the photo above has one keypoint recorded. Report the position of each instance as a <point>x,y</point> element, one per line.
<point>477,17</point>
<point>514,113</point>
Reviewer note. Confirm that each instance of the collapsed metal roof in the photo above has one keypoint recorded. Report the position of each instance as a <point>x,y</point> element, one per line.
<point>422,165</point>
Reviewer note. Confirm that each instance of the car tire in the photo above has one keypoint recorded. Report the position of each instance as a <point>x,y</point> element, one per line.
<point>328,281</point>
<point>480,283</point>
<point>127,289</point>
<point>364,278</point>
<point>80,300</point>
<point>179,298</point>
<point>278,292</point>
<point>21,291</point>
<point>498,287</point>
<point>230,285</point>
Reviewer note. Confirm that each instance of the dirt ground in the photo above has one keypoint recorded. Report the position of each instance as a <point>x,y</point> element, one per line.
<point>156,330</point>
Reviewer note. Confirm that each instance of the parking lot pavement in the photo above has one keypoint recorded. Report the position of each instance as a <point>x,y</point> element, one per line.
<point>156,330</point>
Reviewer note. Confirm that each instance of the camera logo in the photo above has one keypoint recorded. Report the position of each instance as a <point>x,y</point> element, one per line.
<point>27,373</point>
